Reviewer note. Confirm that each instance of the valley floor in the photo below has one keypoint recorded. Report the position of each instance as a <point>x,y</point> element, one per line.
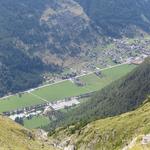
<point>57,95</point>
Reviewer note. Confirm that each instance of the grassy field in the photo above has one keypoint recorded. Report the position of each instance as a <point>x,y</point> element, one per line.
<point>65,89</point>
<point>36,122</point>
<point>93,83</point>
<point>17,101</point>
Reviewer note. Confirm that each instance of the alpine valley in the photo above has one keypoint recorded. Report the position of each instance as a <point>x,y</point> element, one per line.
<point>74,74</point>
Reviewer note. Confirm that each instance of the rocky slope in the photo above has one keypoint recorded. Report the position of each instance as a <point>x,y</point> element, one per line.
<point>113,133</point>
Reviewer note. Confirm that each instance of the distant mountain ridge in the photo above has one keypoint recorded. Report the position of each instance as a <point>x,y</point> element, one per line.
<point>118,17</point>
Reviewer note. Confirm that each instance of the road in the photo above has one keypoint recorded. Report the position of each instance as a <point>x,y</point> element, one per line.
<point>57,82</point>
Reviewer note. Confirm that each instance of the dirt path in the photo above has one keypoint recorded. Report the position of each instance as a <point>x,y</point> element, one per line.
<point>132,143</point>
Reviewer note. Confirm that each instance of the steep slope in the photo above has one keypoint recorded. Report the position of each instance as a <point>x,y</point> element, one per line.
<point>15,137</point>
<point>59,27</point>
<point>19,71</point>
<point>121,96</point>
<point>35,35</point>
<point>111,134</point>
<point>119,17</point>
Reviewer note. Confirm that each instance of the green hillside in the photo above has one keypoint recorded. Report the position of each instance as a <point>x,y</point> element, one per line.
<point>112,133</point>
<point>121,96</point>
<point>15,137</point>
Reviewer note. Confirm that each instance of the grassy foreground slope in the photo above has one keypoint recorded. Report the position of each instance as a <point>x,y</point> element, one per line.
<point>15,137</point>
<point>121,96</point>
<point>113,133</point>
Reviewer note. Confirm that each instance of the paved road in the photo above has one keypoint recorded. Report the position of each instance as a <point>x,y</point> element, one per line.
<point>57,82</point>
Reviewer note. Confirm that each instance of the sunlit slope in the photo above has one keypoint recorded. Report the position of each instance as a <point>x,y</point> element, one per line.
<point>15,137</point>
<point>112,133</point>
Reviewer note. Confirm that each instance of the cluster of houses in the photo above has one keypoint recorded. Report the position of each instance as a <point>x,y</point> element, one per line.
<point>26,112</point>
<point>69,75</point>
<point>44,109</point>
<point>78,82</point>
<point>124,51</point>
<point>118,53</point>
<point>137,60</point>
<point>120,50</point>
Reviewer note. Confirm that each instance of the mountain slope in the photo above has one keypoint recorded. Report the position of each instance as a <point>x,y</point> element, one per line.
<point>15,137</point>
<point>119,17</point>
<point>121,96</point>
<point>19,71</point>
<point>111,133</point>
<point>35,36</point>
<point>57,27</point>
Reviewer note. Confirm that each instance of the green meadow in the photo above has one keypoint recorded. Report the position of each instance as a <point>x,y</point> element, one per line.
<point>65,89</point>
<point>36,122</point>
<point>16,102</point>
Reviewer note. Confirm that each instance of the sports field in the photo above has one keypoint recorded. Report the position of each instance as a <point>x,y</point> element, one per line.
<point>65,89</point>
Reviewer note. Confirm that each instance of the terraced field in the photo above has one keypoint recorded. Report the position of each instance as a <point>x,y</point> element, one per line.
<point>65,89</point>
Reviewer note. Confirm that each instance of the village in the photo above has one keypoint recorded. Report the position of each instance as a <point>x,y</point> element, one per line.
<point>46,109</point>
<point>49,108</point>
<point>119,51</point>
<point>116,52</point>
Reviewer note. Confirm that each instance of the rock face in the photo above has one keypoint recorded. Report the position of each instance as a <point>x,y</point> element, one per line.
<point>41,135</point>
<point>146,139</point>
<point>70,147</point>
